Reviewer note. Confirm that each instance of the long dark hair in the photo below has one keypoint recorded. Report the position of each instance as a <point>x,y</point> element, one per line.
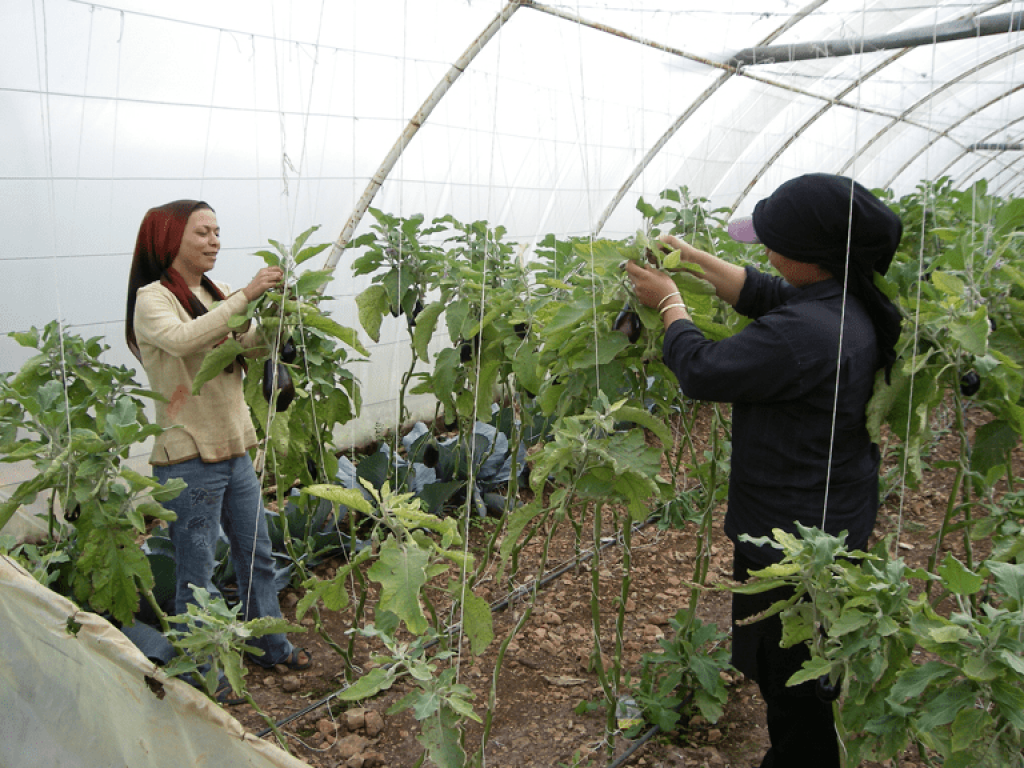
<point>155,248</point>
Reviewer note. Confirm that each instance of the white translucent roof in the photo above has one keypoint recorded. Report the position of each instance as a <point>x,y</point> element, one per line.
<point>280,113</point>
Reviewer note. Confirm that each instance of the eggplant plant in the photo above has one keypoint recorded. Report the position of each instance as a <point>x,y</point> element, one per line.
<point>299,389</point>
<point>864,616</point>
<point>76,418</point>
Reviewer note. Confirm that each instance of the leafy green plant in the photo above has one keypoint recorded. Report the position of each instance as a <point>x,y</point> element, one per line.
<point>685,677</point>
<point>76,418</point>
<point>405,559</point>
<point>438,702</point>
<point>862,618</point>
<point>212,642</point>
<point>43,561</point>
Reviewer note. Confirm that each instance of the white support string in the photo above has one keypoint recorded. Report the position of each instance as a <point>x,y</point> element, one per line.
<point>43,73</point>
<point>490,246</point>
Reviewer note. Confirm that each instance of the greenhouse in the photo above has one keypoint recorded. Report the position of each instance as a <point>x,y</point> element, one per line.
<point>514,320</point>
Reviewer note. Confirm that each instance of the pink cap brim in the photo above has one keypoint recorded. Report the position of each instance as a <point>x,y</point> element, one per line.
<point>742,230</point>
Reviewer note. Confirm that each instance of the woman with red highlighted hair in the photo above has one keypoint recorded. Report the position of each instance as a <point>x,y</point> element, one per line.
<point>175,315</point>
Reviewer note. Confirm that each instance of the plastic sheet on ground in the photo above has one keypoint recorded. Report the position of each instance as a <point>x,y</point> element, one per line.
<point>92,699</point>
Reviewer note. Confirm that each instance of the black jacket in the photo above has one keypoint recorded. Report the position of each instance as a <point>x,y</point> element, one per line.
<point>780,374</point>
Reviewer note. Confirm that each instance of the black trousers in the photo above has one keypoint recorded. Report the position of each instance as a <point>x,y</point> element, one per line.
<point>800,725</point>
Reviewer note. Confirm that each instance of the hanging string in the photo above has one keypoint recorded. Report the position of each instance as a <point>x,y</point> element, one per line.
<point>43,72</point>
<point>209,114</point>
<point>491,249</point>
<point>926,204</point>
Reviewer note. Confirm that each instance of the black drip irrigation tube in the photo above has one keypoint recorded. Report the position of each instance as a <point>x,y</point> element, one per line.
<point>651,733</point>
<point>495,608</point>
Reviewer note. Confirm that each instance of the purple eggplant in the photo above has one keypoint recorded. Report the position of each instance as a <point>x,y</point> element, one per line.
<point>282,382</point>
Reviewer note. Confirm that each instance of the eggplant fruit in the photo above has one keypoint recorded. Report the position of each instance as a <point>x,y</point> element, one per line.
<point>970,383</point>
<point>628,323</point>
<point>826,690</point>
<point>284,385</point>
<point>469,348</point>
<point>289,351</point>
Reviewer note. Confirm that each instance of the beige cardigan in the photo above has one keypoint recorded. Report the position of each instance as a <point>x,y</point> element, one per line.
<point>215,424</point>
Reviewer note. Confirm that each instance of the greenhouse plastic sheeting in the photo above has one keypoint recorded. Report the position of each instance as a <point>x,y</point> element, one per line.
<point>92,699</point>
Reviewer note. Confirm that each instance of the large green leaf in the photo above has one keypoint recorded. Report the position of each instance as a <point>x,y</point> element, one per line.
<point>350,497</point>
<point>314,319</point>
<point>426,325</point>
<point>992,445</point>
<point>401,572</point>
<point>441,738</point>
<point>110,571</point>
<point>958,579</point>
<point>477,620</point>
<point>216,360</point>
<point>372,304</point>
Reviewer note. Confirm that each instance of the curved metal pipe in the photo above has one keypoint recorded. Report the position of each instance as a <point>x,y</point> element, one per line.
<point>964,29</point>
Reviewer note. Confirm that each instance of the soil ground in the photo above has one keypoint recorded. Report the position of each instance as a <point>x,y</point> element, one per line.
<point>546,673</point>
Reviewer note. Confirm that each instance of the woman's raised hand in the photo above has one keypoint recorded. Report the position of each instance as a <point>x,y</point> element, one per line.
<point>264,280</point>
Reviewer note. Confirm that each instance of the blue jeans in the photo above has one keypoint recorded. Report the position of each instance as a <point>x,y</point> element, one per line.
<point>224,494</point>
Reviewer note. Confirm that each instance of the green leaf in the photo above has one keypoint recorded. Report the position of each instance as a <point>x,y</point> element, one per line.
<point>972,332</point>
<point>645,419</point>
<point>948,284</point>
<point>351,497</point>
<point>1009,579</point>
<point>426,325</point>
<point>478,622</point>
<point>944,708</point>
<point>372,304</point>
<point>958,579</point>
<point>441,738</point>
<point>110,570</point>
<point>917,680</point>
<point>401,572</point>
<point>992,445</point>
<point>308,253</point>
<point>312,281</point>
<point>373,682</point>
<point>216,360</point>
<point>314,319</point>
<point>812,669</point>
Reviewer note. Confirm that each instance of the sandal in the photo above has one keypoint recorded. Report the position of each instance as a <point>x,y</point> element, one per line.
<point>226,697</point>
<point>294,660</point>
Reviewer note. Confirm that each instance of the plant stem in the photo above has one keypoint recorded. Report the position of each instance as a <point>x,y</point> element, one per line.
<point>269,721</point>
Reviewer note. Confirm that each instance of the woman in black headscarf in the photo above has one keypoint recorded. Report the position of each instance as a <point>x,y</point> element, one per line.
<point>799,378</point>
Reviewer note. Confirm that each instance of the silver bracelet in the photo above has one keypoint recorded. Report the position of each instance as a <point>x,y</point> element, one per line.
<point>673,306</point>
<point>666,298</point>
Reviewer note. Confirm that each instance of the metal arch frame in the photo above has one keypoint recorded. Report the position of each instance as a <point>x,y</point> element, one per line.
<point>832,102</point>
<point>927,98</point>
<point>734,67</point>
<point>727,72</point>
<point>823,50</point>
<point>965,28</point>
<point>945,133</point>
<point>982,161</point>
<point>969,26</point>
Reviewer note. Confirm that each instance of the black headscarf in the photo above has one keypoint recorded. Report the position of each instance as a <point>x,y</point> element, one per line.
<point>833,221</point>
